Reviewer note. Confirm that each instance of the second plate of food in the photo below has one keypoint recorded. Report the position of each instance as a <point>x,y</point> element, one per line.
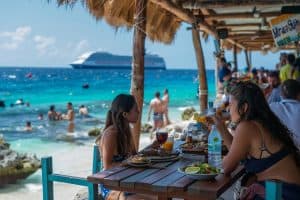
<point>200,171</point>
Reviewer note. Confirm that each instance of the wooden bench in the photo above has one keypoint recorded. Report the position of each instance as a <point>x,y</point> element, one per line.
<point>48,177</point>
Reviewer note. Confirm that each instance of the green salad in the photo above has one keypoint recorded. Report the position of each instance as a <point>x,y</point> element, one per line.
<point>201,168</point>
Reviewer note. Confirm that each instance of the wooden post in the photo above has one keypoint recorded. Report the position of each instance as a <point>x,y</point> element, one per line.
<point>201,70</point>
<point>273,190</point>
<point>218,51</point>
<point>250,59</point>
<point>235,64</point>
<point>97,164</point>
<point>47,184</point>
<point>137,78</point>
<point>247,61</point>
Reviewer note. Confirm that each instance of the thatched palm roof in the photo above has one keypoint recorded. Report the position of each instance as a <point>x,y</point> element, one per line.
<point>161,25</point>
<point>247,21</point>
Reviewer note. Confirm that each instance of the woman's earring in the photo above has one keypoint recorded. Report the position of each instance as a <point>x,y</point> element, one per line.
<point>124,114</point>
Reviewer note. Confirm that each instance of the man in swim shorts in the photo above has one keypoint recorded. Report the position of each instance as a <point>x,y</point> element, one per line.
<point>157,106</point>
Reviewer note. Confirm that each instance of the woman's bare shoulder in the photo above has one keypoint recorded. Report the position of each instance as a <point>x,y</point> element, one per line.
<point>109,132</point>
<point>246,127</point>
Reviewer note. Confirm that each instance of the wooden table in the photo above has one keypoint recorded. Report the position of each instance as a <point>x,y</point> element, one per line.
<point>164,181</point>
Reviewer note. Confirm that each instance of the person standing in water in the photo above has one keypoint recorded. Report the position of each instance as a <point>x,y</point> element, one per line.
<point>70,117</point>
<point>165,100</point>
<point>83,111</point>
<point>157,106</point>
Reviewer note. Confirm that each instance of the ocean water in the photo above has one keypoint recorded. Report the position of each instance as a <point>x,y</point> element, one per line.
<point>42,87</point>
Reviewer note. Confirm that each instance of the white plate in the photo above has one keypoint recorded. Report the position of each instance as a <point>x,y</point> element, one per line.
<point>198,176</point>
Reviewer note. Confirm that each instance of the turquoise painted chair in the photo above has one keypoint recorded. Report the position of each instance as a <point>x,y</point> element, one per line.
<point>273,190</point>
<point>48,177</point>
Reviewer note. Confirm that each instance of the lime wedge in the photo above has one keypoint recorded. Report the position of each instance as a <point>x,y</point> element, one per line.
<point>192,170</point>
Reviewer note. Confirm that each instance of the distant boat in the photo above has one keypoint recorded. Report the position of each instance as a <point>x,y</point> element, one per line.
<point>105,60</point>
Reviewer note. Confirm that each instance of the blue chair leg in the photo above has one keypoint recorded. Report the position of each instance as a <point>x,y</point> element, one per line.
<point>93,191</point>
<point>273,190</point>
<point>96,160</point>
<point>47,184</point>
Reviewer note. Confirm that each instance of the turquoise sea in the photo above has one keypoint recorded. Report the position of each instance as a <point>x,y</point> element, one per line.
<point>42,87</point>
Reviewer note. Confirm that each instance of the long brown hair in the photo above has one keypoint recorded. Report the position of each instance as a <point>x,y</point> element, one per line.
<point>121,104</point>
<point>248,93</point>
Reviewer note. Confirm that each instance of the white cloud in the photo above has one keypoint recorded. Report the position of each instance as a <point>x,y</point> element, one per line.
<point>81,46</point>
<point>45,45</point>
<point>12,40</point>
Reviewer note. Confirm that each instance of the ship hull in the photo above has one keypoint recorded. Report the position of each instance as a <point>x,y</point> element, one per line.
<point>106,60</point>
<point>83,66</point>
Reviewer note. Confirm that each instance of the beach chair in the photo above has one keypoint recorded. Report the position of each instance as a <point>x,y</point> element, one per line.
<point>273,190</point>
<point>48,177</point>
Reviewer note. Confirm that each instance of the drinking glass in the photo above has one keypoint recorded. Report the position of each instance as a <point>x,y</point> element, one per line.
<point>168,145</point>
<point>161,136</point>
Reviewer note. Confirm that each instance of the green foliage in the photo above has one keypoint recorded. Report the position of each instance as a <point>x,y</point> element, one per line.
<point>95,132</point>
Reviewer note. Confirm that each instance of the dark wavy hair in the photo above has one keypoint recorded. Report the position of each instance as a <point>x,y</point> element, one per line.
<point>248,93</point>
<point>121,104</point>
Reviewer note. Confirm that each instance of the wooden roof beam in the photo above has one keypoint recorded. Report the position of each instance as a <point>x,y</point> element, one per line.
<point>240,25</point>
<point>189,17</point>
<point>249,36</point>
<point>256,40</point>
<point>240,15</point>
<point>238,3</point>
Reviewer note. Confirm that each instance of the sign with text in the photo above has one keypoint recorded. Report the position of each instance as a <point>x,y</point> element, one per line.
<point>285,29</point>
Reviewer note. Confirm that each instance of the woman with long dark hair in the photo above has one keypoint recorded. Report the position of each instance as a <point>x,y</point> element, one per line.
<point>261,141</point>
<point>116,142</point>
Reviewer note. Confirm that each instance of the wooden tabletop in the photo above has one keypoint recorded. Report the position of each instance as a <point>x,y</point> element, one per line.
<point>164,180</point>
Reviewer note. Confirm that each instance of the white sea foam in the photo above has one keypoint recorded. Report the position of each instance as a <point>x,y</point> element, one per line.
<point>12,76</point>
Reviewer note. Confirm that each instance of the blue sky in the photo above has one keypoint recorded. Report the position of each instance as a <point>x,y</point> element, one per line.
<point>37,33</point>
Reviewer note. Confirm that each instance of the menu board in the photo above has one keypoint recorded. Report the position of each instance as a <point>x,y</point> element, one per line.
<point>285,29</point>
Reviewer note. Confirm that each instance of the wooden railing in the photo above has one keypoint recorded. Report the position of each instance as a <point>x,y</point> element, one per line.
<point>48,177</point>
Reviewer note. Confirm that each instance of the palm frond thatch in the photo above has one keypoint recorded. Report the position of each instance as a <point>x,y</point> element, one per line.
<point>161,25</point>
<point>96,8</point>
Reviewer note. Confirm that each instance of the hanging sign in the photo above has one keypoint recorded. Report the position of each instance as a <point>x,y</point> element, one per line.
<point>285,29</point>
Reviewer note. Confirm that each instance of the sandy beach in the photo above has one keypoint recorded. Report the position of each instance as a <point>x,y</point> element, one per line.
<point>69,159</point>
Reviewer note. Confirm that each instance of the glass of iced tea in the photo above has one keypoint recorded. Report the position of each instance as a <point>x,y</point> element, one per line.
<point>161,136</point>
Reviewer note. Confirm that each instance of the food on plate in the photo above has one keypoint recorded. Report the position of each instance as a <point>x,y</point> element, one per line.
<point>157,152</point>
<point>138,159</point>
<point>201,168</point>
<point>199,147</point>
<point>192,170</point>
<point>195,146</point>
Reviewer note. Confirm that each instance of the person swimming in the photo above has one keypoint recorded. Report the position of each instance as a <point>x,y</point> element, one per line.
<point>28,127</point>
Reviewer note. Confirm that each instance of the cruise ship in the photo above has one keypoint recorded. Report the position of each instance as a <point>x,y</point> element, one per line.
<point>105,60</point>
